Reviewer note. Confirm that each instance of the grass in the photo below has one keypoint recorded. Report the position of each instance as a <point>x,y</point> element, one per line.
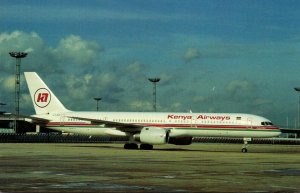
<point>168,168</point>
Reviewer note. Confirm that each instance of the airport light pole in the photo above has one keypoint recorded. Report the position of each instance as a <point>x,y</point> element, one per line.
<point>97,100</point>
<point>18,56</point>
<point>298,119</point>
<point>154,81</point>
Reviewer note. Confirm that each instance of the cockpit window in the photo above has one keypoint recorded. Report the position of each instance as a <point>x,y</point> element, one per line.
<point>266,123</point>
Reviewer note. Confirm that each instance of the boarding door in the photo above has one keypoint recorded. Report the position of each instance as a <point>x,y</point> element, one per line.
<point>193,121</point>
<point>249,122</point>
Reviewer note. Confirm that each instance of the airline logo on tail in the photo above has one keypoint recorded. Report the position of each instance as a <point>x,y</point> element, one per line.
<point>42,97</point>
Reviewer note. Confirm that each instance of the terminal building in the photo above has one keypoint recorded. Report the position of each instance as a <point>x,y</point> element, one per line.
<point>24,125</point>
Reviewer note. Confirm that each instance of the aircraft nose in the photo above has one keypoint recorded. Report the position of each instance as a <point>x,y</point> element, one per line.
<point>278,130</point>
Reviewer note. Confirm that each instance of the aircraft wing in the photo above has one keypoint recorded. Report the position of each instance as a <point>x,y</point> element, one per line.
<point>36,120</point>
<point>125,127</point>
<point>30,119</point>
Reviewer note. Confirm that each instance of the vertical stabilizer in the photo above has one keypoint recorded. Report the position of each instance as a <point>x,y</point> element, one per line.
<point>43,99</point>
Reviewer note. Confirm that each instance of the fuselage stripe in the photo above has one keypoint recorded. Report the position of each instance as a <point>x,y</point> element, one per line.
<point>175,126</point>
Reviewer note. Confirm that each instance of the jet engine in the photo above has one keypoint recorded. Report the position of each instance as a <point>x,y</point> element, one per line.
<point>157,136</point>
<point>154,135</point>
<point>180,140</point>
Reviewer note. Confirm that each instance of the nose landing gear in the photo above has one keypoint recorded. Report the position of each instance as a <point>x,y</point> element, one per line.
<point>246,140</point>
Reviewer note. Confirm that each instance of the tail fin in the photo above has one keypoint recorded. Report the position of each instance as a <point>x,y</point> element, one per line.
<point>44,101</point>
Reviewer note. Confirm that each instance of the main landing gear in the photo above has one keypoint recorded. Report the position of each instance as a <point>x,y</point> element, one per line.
<point>131,146</point>
<point>135,146</point>
<point>146,146</point>
<point>246,140</point>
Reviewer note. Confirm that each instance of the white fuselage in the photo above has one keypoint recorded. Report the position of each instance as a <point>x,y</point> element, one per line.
<point>180,124</point>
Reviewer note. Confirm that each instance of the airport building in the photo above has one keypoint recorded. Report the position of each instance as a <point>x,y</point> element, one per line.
<point>24,125</point>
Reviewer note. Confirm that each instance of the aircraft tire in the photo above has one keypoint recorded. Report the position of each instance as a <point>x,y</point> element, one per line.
<point>130,146</point>
<point>146,147</point>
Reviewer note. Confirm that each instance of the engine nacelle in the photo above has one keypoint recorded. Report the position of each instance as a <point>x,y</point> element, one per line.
<point>154,135</point>
<point>180,140</point>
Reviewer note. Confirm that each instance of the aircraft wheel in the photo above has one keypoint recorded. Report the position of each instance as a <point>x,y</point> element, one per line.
<point>130,146</point>
<point>126,146</point>
<point>244,150</point>
<point>146,146</point>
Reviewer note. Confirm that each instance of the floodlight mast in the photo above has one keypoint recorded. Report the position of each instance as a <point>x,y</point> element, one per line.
<point>97,100</point>
<point>298,118</point>
<point>154,81</point>
<point>18,56</point>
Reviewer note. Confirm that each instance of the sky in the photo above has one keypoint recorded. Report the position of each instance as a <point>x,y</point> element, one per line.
<point>226,56</point>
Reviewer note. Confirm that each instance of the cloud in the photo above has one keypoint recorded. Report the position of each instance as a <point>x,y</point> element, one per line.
<point>239,88</point>
<point>191,54</point>
<point>261,102</point>
<point>7,88</point>
<point>134,67</point>
<point>67,58</point>
<point>199,99</point>
<point>76,87</point>
<point>8,83</point>
<point>141,105</point>
<point>74,49</point>
<point>20,41</point>
<point>177,106</point>
<point>166,78</point>
<point>17,41</point>
<point>106,79</point>
<point>71,50</point>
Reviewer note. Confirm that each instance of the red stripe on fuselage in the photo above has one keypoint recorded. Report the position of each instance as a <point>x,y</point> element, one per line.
<point>56,124</point>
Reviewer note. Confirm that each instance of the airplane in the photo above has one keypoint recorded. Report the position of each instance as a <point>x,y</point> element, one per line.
<point>144,128</point>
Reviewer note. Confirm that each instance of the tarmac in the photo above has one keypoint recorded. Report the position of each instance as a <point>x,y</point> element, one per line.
<point>107,167</point>
<point>71,138</point>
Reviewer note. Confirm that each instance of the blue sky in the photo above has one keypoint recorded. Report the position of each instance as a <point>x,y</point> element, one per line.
<point>211,55</point>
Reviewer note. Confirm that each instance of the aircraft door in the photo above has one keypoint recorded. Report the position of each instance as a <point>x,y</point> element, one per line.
<point>249,122</point>
<point>194,122</point>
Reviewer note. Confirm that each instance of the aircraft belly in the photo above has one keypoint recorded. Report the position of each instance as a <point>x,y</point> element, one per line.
<point>115,132</point>
<point>197,132</point>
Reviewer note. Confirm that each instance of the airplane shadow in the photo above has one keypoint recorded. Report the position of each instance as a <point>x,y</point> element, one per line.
<point>162,150</point>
